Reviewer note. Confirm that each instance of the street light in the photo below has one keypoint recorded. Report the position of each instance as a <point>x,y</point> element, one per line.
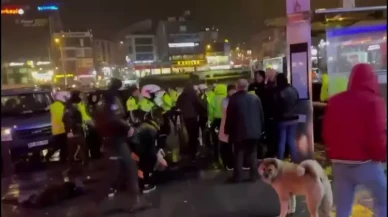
<point>58,42</point>
<point>208,47</point>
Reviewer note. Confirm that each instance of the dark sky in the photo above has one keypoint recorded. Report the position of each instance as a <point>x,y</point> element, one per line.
<point>236,19</point>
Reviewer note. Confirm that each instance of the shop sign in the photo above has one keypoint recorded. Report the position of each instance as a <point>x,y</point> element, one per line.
<point>189,63</point>
<point>32,23</point>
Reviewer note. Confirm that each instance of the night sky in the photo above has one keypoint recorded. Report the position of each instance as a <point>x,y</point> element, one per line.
<point>236,19</point>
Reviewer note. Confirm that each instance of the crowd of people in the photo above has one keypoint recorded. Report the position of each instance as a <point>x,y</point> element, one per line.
<point>237,123</point>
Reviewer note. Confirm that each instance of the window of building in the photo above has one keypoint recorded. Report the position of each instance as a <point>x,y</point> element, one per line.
<point>88,53</point>
<point>70,53</point>
<point>70,66</point>
<point>182,28</point>
<point>149,49</point>
<point>72,42</point>
<point>143,41</point>
<point>144,57</point>
<point>87,42</point>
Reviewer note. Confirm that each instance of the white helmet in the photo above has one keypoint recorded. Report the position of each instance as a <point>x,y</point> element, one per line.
<point>202,87</point>
<point>195,87</point>
<point>150,88</point>
<point>62,96</point>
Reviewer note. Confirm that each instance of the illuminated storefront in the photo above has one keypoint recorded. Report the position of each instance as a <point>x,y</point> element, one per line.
<point>186,66</point>
<point>349,46</point>
<point>29,72</point>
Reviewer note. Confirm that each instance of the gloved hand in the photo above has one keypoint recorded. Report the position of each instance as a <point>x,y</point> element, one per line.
<point>208,124</point>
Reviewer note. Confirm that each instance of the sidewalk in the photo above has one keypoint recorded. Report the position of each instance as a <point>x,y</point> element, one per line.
<point>363,201</point>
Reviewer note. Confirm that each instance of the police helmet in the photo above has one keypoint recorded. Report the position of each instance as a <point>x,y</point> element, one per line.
<point>62,96</point>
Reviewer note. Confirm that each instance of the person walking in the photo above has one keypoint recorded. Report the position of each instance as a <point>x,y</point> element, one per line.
<point>112,124</point>
<point>354,132</point>
<point>226,148</point>
<point>191,106</point>
<point>286,100</point>
<point>244,125</point>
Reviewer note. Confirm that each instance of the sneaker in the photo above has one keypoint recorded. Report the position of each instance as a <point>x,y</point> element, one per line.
<point>246,168</point>
<point>229,168</point>
<point>148,188</point>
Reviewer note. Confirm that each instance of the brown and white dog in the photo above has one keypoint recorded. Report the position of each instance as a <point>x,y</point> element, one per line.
<point>307,179</point>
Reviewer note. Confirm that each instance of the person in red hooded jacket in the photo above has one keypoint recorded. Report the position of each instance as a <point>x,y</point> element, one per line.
<point>354,131</point>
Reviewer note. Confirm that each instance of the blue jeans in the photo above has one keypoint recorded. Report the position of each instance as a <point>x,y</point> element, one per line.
<point>287,135</point>
<point>348,176</point>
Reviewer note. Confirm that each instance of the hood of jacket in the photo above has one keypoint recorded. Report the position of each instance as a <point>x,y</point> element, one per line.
<point>362,78</point>
<point>220,90</point>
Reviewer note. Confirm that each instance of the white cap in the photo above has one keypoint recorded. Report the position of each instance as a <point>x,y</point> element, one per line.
<point>202,86</point>
<point>149,88</point>
<point>62,96</point>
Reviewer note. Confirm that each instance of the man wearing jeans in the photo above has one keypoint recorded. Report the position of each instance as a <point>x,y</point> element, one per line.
<point>354,131</point>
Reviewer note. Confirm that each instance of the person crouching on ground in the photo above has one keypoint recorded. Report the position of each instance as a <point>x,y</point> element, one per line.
<point>354,132</point>
<point>226,148</point>
<point>142,143</point>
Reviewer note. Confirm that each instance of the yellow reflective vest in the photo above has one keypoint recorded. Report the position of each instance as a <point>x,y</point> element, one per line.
<point>167,102</point>
<point>57,109</point>
<point>324,95</point>
<point>146,105</point>
<point>132,104</point>
<point>84,114</point>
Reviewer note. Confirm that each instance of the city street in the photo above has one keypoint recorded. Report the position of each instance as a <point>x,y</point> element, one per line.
<point>192,194</point>
<point>203,194</point>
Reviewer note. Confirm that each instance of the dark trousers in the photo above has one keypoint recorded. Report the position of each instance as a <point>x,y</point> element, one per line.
<point>58,142</point>
<point>271,140</point>
<point>226,151</point>
<point>165,130</point>
<point>248,147</point>
<point>94,142</point>
<point>215,146</point>
<point>126,168</point>
<point>192,127</point>
<point>147,165</point>
<point>78,141</point>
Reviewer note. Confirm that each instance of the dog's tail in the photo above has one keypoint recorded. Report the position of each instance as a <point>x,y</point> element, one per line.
<point>327,201</point>
<point>313,169</point>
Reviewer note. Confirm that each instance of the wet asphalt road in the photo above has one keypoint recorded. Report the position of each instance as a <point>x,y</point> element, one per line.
<point>192,194</point>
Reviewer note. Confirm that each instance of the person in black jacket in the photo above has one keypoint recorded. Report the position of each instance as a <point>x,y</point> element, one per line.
<point>75,128</point>
<point>191,106</point>
<point>111,123</point>
<point>244,125</point>
<point>286,99</point>
<point>267,99</point>
<point>258,84</point>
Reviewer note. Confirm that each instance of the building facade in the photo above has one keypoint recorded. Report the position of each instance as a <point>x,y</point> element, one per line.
<point>141,48</point>
<point>179,42</point>
<point>74,52</point>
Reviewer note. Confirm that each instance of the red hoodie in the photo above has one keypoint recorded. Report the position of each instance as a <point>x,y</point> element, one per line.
<point>354,125</point>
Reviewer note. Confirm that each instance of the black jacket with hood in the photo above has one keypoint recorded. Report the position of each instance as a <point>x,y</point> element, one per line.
<point>189,103</point>
<point>286,98</point>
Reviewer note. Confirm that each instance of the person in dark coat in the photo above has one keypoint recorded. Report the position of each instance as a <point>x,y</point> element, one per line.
<point>267,99</point>
<point>286,100</point>
<point>258,84</point>
<point>244,125</point>
<point>191,106</point>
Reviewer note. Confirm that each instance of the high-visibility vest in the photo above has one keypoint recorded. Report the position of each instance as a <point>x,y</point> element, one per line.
<point>57,109</point>
<point>84,114</point>
<point>146,105</point>
<point>132,104</point>
<point>167,103</point>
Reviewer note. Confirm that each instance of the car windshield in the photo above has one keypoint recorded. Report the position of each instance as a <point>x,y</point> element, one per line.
<point>25,103</point>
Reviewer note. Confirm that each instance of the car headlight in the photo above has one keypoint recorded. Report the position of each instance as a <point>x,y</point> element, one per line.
<point>6,134</point>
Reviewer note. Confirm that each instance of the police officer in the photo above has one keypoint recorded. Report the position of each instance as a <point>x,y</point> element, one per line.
<point>214,118</point>
<point>57,109</point>
<point>133,106</point>
<point>74,119</point>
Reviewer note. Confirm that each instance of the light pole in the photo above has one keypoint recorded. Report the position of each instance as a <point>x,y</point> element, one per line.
<point>58,42</point>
